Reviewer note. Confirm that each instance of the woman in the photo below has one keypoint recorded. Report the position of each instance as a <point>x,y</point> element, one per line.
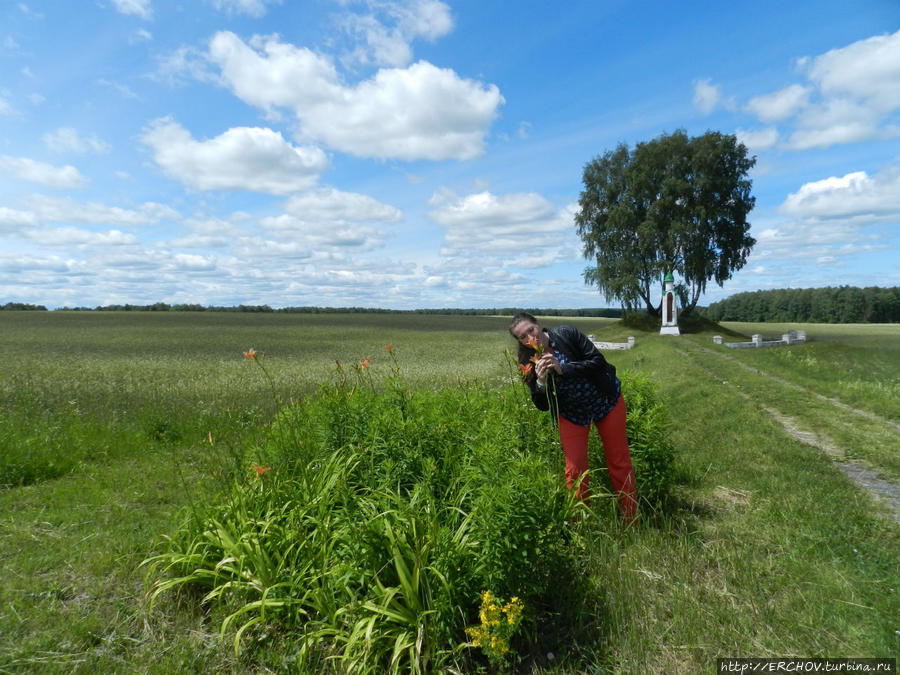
<point>566,373</point>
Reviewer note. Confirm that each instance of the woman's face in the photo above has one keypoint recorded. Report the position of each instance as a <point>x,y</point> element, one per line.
<point>525,331</point>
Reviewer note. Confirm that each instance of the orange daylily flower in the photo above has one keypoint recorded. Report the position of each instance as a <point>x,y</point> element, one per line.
<point>250,354</point>
<point>390,348</point>
<point>531,342</point>
<point>260,470</point>
<point>365,362</point>
<point>525,368</point>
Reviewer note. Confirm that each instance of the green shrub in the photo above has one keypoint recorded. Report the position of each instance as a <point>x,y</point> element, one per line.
<point>520,520</point>
<point>648,439</point>
<point>368,525</point>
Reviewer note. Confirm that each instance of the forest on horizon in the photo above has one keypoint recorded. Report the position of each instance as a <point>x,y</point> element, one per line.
<point>842,304</point>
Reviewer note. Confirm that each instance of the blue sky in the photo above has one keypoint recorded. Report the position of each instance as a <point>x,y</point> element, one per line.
<point>421,154</point>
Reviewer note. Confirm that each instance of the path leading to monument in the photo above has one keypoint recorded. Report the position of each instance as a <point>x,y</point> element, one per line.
<point>797,387</point>
<point>884,491</point>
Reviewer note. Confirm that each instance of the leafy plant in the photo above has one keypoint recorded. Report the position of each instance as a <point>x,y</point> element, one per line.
<point>366,524</point>
<point>651,449</point>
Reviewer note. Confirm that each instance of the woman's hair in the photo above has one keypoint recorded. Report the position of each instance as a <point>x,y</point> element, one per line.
<point>524,353</point>
<point>519,318</point>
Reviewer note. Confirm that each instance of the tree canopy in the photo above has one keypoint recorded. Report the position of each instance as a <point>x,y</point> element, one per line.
<point>672,204</point>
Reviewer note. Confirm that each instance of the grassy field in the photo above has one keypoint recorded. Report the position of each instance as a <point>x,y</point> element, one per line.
<point>113,423</point>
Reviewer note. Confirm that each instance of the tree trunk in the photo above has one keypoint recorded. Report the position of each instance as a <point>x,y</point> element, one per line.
<point>645,296</point>
<point>695,296</point>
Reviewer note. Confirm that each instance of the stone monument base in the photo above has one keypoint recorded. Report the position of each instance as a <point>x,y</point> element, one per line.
<point>669,330</point>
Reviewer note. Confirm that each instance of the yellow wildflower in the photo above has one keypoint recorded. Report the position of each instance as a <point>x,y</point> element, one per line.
<point>499,623</point>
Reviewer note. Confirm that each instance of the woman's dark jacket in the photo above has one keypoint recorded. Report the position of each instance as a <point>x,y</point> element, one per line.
<point>584,360</point>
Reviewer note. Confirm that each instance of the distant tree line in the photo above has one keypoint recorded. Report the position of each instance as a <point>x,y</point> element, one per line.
<point>165,307</point>
<point>22,307</point>
<point>844,304</point>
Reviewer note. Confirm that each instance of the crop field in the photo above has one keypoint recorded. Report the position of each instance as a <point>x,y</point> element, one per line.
<point>169,505</point>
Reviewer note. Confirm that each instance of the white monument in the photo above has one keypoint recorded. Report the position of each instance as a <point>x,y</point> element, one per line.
<point>669,308</point>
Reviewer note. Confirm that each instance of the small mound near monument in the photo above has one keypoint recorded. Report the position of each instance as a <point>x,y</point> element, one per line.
<point>687,323</point>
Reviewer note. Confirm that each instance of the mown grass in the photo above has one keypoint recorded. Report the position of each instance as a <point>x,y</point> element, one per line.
<point>73,596</point>
<point>858,364</point>
<point>769,530</point>
<point>767,550</point>
<point>848,434</point>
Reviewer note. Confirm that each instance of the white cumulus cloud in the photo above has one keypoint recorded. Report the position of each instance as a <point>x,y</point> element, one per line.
<point>66,210</point>
<point>853,195</point>
<point>326,218</point>
<point>418,112</point>
<point>313,236</point>
<point>65,237</point>
<point>328,205</point>
<point>706,96</point>
<point>867,70</point>
<point>781,104</point>
<point>66,139</point>
<point>33,171</point>
<point>13,220</point>
<point>758,140</point>
<point>254,8</point>
<point>837,121</point>
<point>242,158</point>
<point>525,227</point>
<point>390,27</point>
<point>835,219</point>
<point>139,8</point>
<point>194,262</point>
<point>269,73</point>
<point>851,94</point>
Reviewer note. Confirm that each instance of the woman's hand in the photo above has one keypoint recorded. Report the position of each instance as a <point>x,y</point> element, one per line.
<point>545,364</point>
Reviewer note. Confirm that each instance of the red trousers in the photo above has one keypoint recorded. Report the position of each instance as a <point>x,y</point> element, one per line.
<point>574,439</point>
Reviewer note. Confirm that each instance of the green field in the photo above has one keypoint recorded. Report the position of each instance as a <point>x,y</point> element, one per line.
<point>112,423</point>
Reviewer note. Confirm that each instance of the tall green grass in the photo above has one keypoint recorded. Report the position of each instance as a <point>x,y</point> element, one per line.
<point>82,386</point>
<point>366,528</point>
